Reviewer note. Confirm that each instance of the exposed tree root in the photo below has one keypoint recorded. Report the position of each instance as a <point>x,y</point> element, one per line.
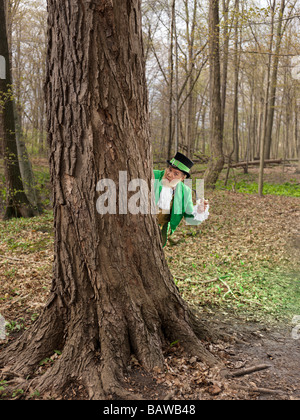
<point>98,367</point>
<point>23,356</point>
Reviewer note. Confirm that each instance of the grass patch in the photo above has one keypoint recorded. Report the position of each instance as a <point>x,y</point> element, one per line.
<point>42,182</point>
<point>28,235</point>
<point>288,189</point>
<point>263,294</point>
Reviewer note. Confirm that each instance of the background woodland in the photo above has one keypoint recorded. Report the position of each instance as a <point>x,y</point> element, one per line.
<point>259,47</point>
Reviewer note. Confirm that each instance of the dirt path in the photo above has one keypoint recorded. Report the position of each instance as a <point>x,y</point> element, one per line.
<point>270,347</point>
<point>281,352</point>
<point>275,346</point>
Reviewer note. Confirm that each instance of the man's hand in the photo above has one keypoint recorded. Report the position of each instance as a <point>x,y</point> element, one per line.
<point>202,206</point>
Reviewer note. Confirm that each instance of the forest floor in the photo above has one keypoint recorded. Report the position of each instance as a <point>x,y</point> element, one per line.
<point>240,269</point>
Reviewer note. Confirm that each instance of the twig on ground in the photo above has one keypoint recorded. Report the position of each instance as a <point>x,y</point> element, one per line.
<point>258,390</point>
<point>250,370</point>
<point>5,257</point>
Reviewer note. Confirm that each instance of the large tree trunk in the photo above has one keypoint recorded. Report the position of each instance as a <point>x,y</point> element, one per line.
<point>112,294</point>
<point>216,131</point>
<point>17,204</point>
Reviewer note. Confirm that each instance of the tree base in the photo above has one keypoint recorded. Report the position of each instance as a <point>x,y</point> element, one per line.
<point>15,211</point>
<point>96,366</point>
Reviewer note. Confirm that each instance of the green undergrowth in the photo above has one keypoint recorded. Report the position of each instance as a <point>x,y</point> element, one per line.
<point>27,235</point>
<point>287,189</point>
<point>266,293</point>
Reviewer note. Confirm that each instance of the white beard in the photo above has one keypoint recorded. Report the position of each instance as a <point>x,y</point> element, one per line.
<point>165,199</point>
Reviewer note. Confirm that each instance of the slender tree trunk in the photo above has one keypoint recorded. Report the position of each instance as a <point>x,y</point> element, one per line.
<point>171,79</point>
<point>176,99</point>
<point>216,163</point>
<point>273,83</point>
<point>17,204</point>
<point>112,294</point>
<point>297,137</point>
<point>24,162</point>
<point>251,136</point>
<point>203,129</point>
<point>25,165</point>
<point>191,102</point>
<point>265,112</point>
<point>226,4</point>
<point>235,131</point>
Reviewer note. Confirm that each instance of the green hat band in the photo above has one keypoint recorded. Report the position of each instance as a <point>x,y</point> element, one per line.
<point>180,165</point>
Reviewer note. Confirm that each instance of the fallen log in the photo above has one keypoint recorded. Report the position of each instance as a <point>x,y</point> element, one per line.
<point>243,164</point>
<point>257,163</point>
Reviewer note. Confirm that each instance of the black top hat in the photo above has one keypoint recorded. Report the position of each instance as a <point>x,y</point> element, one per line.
<point>182,163</point>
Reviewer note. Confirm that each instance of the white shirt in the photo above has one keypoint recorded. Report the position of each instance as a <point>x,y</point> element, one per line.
<point>164,204</point>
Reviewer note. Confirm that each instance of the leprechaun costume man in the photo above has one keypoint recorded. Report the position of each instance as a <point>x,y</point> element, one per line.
<point>174,199</point>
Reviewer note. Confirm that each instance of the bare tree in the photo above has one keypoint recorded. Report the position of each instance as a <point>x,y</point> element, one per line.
<point>17,204</point>
<point>274,76</point>
<point>265,106</point>
<point>235,126</point>
<point>216,162</point>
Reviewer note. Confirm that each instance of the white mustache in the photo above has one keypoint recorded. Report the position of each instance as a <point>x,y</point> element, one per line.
<point>170,184</point>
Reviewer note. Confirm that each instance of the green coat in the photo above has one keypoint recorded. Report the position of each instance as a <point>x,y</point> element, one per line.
<point>183,206</point>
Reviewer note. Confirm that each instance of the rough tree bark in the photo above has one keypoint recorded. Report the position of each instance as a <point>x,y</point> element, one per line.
<point>112,294</point>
